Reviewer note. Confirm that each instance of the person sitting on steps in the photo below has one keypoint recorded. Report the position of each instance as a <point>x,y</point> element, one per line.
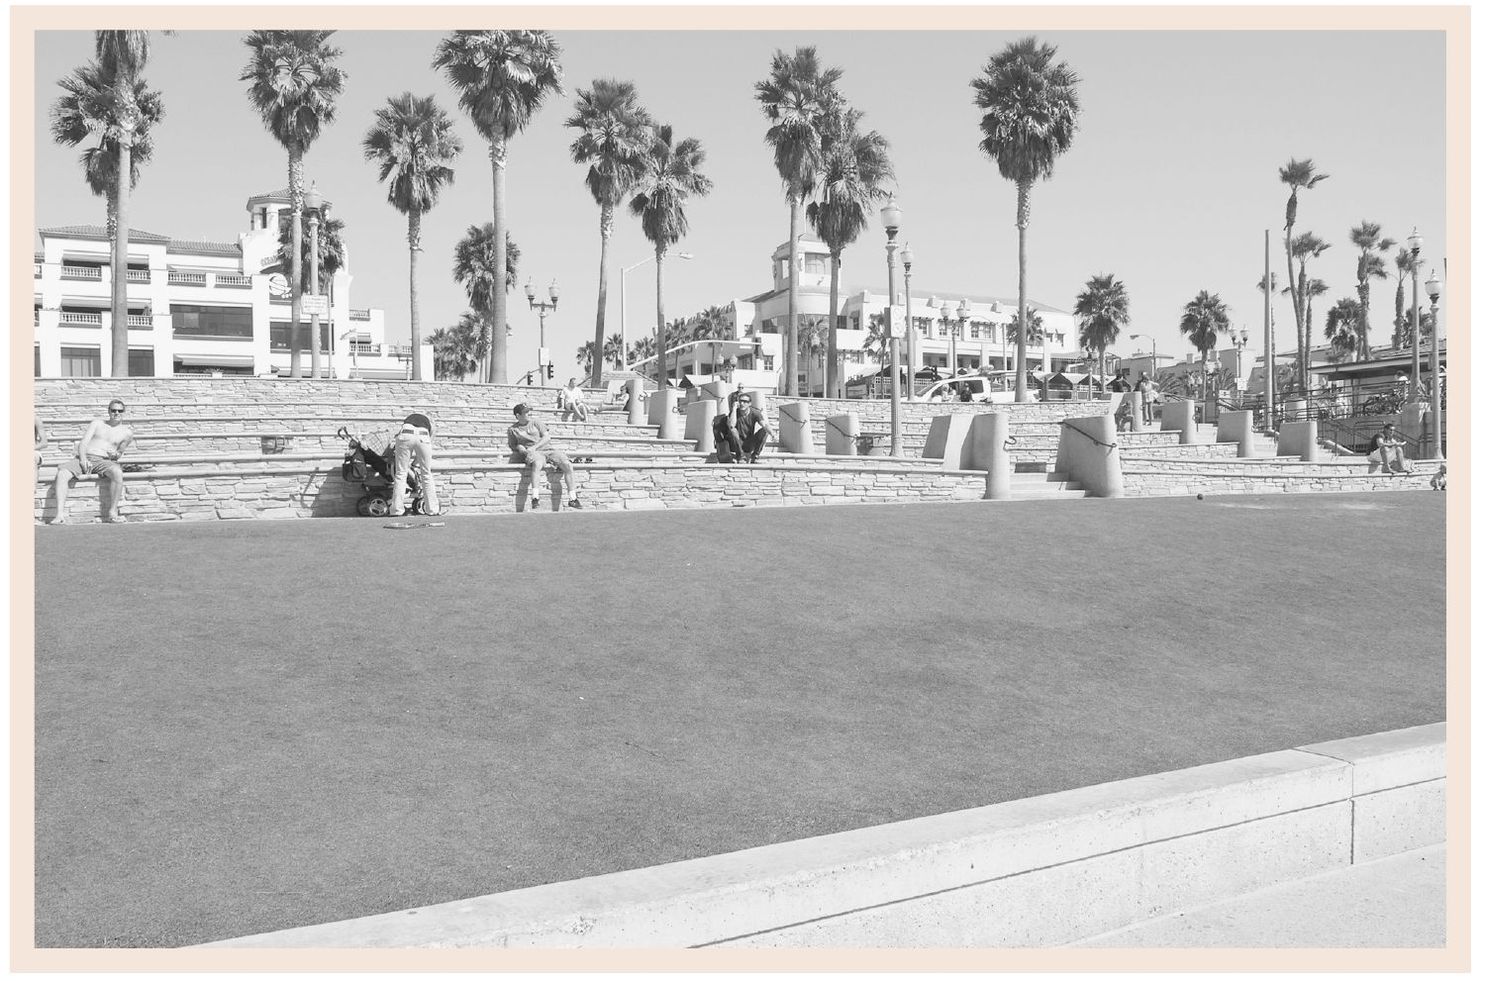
<point>1385,451</point>
<point>530,445</point>
<point>98,452</point>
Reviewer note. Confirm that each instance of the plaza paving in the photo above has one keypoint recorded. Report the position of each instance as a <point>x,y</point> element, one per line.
<point>267,724</point>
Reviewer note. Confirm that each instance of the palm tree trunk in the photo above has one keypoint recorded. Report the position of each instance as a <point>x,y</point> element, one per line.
<point>791,336</point>
<point>119,336</point>
<point>605,230</point>
<point>1023,218</point>
<point>1364,293</point>
<point>1294,299</point>
<point>497,301</point>
<point>296,246</point>
<point>414,246</point>
<point>832,351</point>
<point>662,381</point>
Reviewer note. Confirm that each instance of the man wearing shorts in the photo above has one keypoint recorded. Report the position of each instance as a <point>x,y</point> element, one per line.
<point>530,444</point>
<point>574,402</point>
<point>412,448</point>
<point>98,452</point>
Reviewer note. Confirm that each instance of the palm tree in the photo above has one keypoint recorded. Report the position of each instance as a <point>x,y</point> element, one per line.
<point>878,340</point>
<point>642,349</point>
<point>1297,174</point>
<point>853,176</point>
<point>585,356</point>
<point>797,97</point>
<point>613,351</point>
<point>1035,335</point>
<point>712,324</point>
<point>1343,326</point>
<point>502,78</point>
<point>292,83</point>
<point>1203,321</point>
<point>1102,308</point>
<point>1305,247</point>
<point>671,177</point>
<point>474,269</point>
<point>460,349</point>
<point>1367,237</point>
<point>332,254</point>
<point>1402,325</point>
<point>413,143</point>
<point>84,112</point>
<point>1031,113</point>
<point>613,133</point>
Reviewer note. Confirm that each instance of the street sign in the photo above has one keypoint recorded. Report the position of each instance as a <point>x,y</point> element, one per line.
<point>542,356</point>
<point>278,284</point>
<point>315,304</point>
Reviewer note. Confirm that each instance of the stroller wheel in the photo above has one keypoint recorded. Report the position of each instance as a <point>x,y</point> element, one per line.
<point>363,506</point>
<point>377,507</point>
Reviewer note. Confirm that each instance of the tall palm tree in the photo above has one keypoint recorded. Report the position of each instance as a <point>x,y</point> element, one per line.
<point>475,263</point>
<point>1031,113</point>
<point>1343,326</point>
<point>613,350</point>
<point>641,349</point>
<point>502,78</point>
<point>293,82</point>
<point>614,131</point>
<point>413,143</point>
<point>854,172</point>
<point>671,177</point>
<point>585,356</point>
<point>1402,324</point>
<point>797,97</point>
<point>1304,247</point>
<point>85,113</point>
<point>1297,174</point>
<point>1203,321</point>
<point>1371,245</point>
<point>1102,308</point>
<point>332,258</point>
<point>814,336</point>
<point>460,349</point>
<point>878,341</point>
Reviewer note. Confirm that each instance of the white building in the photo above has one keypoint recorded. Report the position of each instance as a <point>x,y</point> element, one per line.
<point>197,307</point>
<point>981,340</point>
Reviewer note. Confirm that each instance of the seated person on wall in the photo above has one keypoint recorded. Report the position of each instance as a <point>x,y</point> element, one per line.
<point>1124,417</point>
<point>740,434</point>
<point>412,447</point>
<point>530,445</point>
<point>574,402</point>
<point>98,452</point>
<point>1385,451</point>
<point>40,445</point>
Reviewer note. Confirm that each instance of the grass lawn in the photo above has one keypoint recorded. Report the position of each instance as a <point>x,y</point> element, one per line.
<point>247,726</point>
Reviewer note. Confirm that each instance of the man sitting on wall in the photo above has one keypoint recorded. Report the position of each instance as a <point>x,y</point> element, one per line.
<point>1385,451</point>
<point>740,433</point>
<point>98,452</point>
<point>530,444</point>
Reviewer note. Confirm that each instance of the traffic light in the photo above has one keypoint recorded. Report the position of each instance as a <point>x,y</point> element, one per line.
<point>528,378</point>
<point>550,371</point>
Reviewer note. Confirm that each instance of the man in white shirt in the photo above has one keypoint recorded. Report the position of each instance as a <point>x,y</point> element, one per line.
<point>574,402</point>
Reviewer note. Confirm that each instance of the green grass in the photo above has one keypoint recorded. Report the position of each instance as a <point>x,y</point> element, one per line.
<point>243,727</point>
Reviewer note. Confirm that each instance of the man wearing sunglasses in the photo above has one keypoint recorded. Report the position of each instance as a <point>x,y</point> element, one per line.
<point>98,452</point>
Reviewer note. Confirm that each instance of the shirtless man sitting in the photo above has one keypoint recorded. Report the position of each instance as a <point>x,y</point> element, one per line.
<point>98,452</point>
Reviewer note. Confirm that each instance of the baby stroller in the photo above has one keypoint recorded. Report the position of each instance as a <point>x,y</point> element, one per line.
<point>373,471</point>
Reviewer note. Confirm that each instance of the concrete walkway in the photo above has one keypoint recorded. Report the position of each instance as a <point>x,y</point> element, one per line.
<point>1396,901</point>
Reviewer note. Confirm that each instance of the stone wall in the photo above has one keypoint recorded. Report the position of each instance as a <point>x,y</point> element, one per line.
<point>1177,479</point>
<point>316,492</point>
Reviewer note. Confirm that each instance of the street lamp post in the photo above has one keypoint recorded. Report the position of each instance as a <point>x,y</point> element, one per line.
<point>314,203</point>
<point>1240,341</point>
<point>1436,401</point>
<point>963,312</point>
<point>541,307</point>
<point>624,308</point>
<point>1415,245</point>
<point>946,318</point>
<point>1153,362</point>
<point>908,328</point>
<point>891,221</point>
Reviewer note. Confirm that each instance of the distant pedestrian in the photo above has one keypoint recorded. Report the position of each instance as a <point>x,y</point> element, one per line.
<point>98,452</point>
<point>1385,451</point>
<point>574,402</point>
<point>1146,388</point>
<point>530,445</point>
<point>1124,417</point>
<point>1121,381</point>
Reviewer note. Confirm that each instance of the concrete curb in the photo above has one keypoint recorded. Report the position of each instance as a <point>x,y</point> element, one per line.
<point>1037,872</point>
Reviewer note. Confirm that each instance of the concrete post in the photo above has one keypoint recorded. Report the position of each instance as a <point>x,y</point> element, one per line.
<point>1236,426</point>
<point>1137,424</point>
<point>1086,453</point>
<point>1179,414</point>
<point>794,428</point>
<point>840,434</point>
<point>635,388</point>
<point>1301,439</point>
<point>717,389</point>
<point>699,415</point>
<point>946,440</point>
<point>988,435</point>
<point>1411,423</point>
<point>662,412</point>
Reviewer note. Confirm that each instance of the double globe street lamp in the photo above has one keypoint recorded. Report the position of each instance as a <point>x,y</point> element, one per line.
<point>1436,401</point>
<point>891,221</point>
<point>543,359</point>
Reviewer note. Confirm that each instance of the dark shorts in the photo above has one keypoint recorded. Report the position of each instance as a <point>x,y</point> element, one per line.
<point>100,465</point>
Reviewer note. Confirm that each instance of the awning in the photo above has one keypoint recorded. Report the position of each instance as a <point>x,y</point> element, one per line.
<point>697,381</point>
<point>215,360</point>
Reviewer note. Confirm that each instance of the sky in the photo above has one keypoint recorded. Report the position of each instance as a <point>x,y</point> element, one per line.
<point>1169,185</point>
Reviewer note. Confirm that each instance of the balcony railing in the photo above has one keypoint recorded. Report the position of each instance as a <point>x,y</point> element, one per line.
<point>138,276</point>
<point>180,278</point>
<point>142,321</point>
<point>82,272</point>
<point>360,314</point>
<point>70,318</point>
<point>234,281</point>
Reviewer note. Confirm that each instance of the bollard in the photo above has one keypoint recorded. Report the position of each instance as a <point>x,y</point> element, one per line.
<point>1412,424</point>
<point>1236,426</point>
<point>989,432</point>
<point>1179,414</point>
<point>636,389</point>
<point>699,415</point>
<point>662,413</point>
<point>840,434</point>
<point>1301,439</point>
<point>718,390</point>
<point>946,440</point>
<point>794,428</point>
<point>1137,423</point>
<point>1088,454</point>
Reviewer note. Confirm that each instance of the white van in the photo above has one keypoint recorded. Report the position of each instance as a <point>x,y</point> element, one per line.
<point>998,387</point>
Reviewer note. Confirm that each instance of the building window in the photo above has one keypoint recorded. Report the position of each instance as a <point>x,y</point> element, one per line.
<point>814,264</point>
<point>278,337</point>
<point>974,332</point>
<point>218,323</point>
<point>768,362</point>
<point>768,327</point>
<point>141,362</point>
<point>81,362</point>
